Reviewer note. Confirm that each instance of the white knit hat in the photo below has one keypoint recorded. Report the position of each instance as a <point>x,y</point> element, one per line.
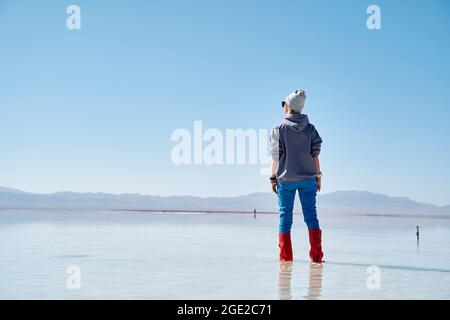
<point>296,100</point>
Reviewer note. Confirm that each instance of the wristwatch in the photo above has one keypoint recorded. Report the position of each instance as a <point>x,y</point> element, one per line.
<point>319,175</point>
<point>273,178</point>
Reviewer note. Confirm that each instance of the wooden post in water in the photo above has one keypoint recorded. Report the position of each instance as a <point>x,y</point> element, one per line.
<point>417,235</point>
<point>254,213</point>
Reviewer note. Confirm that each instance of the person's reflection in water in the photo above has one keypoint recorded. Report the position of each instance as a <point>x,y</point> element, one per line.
<point>315,281</point>
<point>284,280</point>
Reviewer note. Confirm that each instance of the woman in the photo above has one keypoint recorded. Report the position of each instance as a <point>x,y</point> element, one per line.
<point>295,147</point>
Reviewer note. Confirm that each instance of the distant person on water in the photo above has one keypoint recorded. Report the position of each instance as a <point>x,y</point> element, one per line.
<point>295,147</point>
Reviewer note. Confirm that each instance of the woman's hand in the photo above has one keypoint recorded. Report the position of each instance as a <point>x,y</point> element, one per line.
<point>273,181</point>
<point>319,173</point>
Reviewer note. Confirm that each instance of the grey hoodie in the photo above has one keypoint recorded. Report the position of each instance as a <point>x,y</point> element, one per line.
<point>293,143</point>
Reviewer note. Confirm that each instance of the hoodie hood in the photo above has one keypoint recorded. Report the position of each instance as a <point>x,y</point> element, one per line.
<point>297,122</point>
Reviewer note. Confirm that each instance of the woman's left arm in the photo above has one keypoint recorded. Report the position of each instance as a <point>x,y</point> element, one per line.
<point>319,173</point>
<point>316,145</point>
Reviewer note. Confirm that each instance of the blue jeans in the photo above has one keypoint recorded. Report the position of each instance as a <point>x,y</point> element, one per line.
<point>307,190</point>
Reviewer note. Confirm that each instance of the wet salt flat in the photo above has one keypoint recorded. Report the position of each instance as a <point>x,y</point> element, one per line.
<point>130,255</point>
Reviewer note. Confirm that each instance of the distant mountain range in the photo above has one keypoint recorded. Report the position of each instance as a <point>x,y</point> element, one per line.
<point>339,202</point>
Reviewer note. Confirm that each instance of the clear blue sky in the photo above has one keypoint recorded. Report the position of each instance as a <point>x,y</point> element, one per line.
<point>93,109</point>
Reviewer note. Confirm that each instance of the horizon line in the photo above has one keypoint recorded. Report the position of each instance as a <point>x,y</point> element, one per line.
<point>206,197</point>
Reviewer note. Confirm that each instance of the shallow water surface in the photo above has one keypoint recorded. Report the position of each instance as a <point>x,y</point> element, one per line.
<point>131,255</point>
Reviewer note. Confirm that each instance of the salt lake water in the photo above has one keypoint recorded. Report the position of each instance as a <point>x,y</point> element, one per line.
<point>136,255</point>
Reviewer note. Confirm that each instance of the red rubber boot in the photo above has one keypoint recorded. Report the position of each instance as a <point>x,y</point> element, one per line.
<point>285,244</point>
<point>315,240</point>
